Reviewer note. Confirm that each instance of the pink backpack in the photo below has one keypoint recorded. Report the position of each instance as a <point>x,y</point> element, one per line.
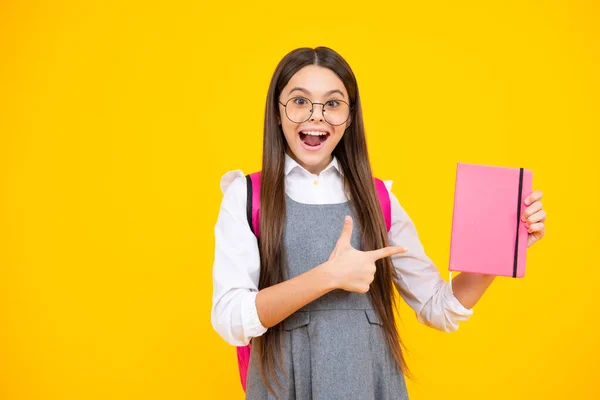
<point>252,211</point>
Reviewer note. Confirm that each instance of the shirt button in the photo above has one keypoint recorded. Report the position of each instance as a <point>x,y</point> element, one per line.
<point>316,183</point>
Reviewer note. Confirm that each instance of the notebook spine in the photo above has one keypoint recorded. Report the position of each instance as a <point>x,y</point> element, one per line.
<point>519,200</point>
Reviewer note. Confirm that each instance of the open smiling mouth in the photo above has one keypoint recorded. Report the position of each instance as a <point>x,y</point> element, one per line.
<point>313,140</point>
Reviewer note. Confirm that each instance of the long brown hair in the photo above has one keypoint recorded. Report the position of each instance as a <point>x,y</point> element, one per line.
<point>352,155</point>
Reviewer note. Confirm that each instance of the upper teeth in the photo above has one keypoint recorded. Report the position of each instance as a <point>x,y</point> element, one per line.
<point>314,133</point>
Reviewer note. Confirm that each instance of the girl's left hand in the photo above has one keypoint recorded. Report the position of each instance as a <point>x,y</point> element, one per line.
<point>534,217</point>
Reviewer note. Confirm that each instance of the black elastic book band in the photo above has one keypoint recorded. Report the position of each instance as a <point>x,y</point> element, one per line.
<point>249,202</point>
<point>518,222</point>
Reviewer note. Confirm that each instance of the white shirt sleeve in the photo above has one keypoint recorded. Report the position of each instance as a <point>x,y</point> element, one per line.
<point>419,281</point>
<point>236,268</point>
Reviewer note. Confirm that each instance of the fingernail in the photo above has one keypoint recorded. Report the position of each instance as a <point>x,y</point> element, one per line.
<point>347,219</point>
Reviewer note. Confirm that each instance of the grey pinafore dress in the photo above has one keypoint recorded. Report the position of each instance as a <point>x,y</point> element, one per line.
<point>334,347</point>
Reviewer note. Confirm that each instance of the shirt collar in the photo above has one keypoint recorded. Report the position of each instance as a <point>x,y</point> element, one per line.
<point>291,164</point>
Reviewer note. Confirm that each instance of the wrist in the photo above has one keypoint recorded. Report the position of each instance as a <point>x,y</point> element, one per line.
<point>326,276</point>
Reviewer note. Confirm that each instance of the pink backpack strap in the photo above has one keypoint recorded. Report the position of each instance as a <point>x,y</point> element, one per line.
<point>243,356</point>
<point>252,213</point>
<point>384,200</point>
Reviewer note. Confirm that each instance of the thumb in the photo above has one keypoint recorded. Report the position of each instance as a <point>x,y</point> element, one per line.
<point>346,234</point>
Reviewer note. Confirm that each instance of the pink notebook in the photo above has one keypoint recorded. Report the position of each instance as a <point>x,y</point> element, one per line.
<point>488,236</point>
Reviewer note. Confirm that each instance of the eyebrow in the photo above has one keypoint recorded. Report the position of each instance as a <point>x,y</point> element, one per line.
<point>308,93</point>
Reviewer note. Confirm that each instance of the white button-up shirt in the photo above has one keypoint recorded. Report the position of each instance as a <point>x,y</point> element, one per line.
<point>236,266</point>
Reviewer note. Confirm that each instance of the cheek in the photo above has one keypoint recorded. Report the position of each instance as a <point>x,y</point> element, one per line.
<point>289,132</point>
<point>339,132</point>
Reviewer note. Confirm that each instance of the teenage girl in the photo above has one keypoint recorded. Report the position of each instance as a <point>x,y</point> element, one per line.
<point>315,294</point>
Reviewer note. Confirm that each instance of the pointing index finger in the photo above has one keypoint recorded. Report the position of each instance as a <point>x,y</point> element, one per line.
<point>387,252</point>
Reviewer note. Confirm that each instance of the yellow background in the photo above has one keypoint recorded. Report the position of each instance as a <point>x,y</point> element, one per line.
<point>117,120</point>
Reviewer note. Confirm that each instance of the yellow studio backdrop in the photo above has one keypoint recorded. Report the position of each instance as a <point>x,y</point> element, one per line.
<point>118,119</point>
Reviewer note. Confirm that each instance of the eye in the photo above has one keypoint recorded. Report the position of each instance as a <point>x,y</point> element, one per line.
<point>332,103</point>
<point>300,101</point>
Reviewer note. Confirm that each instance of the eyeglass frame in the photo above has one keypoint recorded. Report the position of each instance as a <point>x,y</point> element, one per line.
<point>312,108</point>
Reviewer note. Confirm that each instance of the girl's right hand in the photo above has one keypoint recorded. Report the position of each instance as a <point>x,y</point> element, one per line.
<point>354,270</point>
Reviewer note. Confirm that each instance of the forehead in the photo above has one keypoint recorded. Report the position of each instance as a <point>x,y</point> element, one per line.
<point>317,80</point>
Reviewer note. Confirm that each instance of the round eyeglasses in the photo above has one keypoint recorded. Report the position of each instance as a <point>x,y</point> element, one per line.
<point>300,109</point>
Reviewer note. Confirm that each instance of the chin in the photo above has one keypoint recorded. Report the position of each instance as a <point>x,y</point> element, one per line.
<point>312,160</point>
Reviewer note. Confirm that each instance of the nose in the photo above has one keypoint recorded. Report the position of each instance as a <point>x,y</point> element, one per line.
<point>319,113</point>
